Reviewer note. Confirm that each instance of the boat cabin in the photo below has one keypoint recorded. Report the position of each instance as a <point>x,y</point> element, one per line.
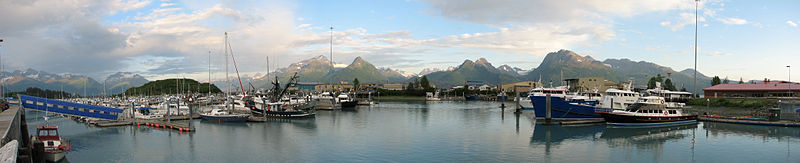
<point>45,133</point>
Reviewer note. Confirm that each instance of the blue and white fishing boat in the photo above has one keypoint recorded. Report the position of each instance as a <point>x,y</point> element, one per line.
<point>563,106</point>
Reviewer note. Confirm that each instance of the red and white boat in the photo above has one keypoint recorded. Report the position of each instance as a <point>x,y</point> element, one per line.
<point>54,147</point>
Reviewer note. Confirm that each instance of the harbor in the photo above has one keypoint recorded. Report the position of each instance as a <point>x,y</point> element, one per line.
<point>419,131</point>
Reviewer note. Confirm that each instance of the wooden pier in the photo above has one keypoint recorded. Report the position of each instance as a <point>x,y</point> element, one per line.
<point>752,122</point>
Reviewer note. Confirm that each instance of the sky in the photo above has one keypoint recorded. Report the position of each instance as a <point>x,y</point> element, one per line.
<point>160,39</point>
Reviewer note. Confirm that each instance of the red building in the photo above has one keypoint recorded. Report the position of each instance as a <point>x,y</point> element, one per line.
<point>766,89</point>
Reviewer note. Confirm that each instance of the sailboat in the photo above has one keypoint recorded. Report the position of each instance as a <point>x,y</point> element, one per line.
<point>227,114</point>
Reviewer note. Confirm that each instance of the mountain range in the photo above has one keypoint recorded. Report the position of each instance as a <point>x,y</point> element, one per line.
<point>555,66</point>
<point>116,83</point>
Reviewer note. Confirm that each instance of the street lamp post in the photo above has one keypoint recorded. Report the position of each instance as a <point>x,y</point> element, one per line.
<point>1,74</point>
<point>791,93</point>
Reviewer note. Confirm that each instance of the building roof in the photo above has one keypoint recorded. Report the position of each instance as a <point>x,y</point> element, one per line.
<point>763,86</point>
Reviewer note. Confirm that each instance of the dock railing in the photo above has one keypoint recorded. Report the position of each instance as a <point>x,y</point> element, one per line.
<point>13,128</point>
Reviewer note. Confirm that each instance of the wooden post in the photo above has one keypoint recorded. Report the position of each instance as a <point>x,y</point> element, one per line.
<point>191,112</point>
<point>549,108</point>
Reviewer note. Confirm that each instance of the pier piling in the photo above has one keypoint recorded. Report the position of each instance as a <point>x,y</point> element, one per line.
<point>548,116</point>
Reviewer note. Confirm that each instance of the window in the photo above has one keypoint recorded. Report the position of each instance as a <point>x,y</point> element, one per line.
<point>61,106</point>
<point>91,111</point>
<point>49,105</point>
<point>102,112</point>
<point>28,102</point>
<point>40,103</point>
<point>81,110</point>
<point>71,108</point>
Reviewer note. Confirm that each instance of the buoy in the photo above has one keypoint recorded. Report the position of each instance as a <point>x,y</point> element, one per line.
<point>180,129</point>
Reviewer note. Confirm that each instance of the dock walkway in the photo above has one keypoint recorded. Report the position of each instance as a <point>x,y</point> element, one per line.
<point>752,122</point>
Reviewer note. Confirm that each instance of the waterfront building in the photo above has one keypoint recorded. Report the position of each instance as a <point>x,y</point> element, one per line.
<point>766,89</point>
<point>477,85</point>
<point>523,86</point>
<point>590,84</point>
<point>306,86</point>
<point>393,87</point>
<point>333,87</point>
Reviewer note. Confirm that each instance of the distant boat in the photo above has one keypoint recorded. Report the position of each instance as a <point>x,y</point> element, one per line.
<point>55,148</point>
<point>648,111</point>
<point>224,116</point>
<point>325,101</point>
<point>431,96</point>
<point>346,101</point>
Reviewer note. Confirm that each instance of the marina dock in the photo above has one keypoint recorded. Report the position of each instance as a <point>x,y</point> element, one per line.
<point>752,122</point>
<point>182,126</point>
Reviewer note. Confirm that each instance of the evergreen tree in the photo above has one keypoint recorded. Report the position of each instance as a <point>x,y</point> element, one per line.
<point>425,84</point>
<point>668,85</point>
<point>355,84</point>
<point>652,83</point>
<point>683,89</point>
<point>741,81</point>
<point>726,81</point>
<point>715,81</point>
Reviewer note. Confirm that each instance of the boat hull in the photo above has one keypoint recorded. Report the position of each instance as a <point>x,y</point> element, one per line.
<point>621,119</point>
<point>562,109</point>
<point>349,104</point>
<point>54,156</point>
<point>226,118</point>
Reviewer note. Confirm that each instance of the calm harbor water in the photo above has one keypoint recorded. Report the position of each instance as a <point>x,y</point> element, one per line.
<point>418,131</point>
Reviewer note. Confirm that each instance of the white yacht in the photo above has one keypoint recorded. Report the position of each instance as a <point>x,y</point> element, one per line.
<point>618,99</point>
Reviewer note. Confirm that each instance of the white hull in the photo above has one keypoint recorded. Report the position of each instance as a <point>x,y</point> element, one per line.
<point>54,157</point>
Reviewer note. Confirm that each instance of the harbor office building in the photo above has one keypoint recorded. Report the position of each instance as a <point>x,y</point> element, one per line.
<point>766,89</point>
<point>590,84</point>
<point>522,87</point>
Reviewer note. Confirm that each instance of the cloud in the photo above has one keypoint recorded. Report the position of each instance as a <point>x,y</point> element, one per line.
<point>793,24</point>
<point>717,53</point>
<point>732,21</point>
<point>132,5</point>
<point>685,19</point>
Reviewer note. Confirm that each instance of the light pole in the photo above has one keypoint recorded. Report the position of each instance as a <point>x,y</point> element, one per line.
<point>696,3</point>
<point>789,67</point>
<point>1,74</point>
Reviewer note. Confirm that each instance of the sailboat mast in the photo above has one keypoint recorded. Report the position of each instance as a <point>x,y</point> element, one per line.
<point>244,97</point>
<point>227,80</point>
<point>209,73</point>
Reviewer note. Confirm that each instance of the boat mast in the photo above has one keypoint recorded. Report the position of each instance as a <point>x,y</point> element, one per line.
<point>244,96</point>
<point>209,73</point>
<point>227,80</point>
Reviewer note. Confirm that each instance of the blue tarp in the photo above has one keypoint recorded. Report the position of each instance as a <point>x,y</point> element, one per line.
<point>145,108</point>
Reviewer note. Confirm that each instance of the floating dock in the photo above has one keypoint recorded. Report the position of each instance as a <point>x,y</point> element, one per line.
<point>752,122</point>
<point>182,126</point>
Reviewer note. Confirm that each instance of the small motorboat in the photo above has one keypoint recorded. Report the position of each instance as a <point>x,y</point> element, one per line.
<point>54,147</point>
<point>222,115</point>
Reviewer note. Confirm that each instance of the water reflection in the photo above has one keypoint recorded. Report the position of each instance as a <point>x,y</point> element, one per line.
<point>645,138</point>
<point>764,132</point>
